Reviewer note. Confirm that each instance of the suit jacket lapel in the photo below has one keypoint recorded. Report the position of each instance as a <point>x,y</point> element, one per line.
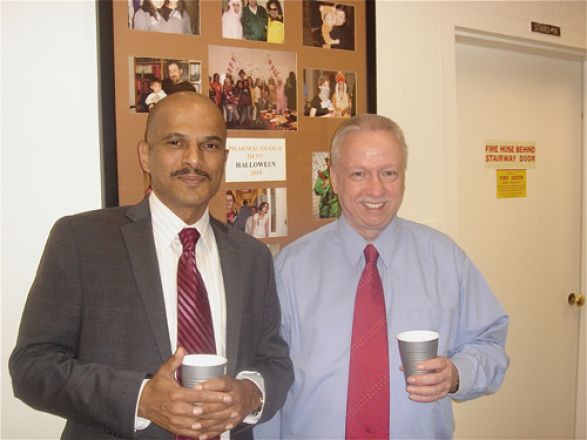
<point>138,236</point>
<point>230,263</point>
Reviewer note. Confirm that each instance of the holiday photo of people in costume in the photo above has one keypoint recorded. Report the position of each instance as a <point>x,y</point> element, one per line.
<point>168,16</point>
<point>254,89</point>
<point>329,93</point>
<point>261,20</point>
<point>329,25</point>
<point>324,199</point>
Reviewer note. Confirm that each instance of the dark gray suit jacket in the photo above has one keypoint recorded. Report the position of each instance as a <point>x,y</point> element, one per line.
<point>94,324</point>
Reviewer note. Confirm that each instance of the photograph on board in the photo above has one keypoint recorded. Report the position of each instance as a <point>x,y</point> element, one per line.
<point>152,79</point>
<point>328,25</point>
<point>324,201</point>
<point>258,20</point>
<point>329,93</point>
<point>255,89</point>
<point>260,212</point>
<point>167,16</point>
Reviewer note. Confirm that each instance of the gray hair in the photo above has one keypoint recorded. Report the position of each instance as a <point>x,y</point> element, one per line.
<point>365,121</point>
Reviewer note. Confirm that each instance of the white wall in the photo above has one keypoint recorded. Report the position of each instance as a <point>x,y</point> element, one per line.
<point>416,83</point>
<point>50,158</point>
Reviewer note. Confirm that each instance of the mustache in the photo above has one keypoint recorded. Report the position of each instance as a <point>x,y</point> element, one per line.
<point>187,170</point>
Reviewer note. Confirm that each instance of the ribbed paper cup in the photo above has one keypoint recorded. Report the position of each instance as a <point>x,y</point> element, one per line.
<point>416,346</point>
<point>199,367</point>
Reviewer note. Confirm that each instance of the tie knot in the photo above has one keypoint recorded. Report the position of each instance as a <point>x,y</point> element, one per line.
<point>188,238</point>
<point>371,254</point>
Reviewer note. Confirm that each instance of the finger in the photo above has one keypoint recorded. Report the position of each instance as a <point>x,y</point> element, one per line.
<point>179,419</point>
<point>222,383</point>
<point>204,435</point>
<point>197,423</point>
<point>179,355</point>
<point>428,393</point>
<point>210,408</point>
<point>431,364</point>
<point>214,428</point>
<point>200,396</point>
<point>426,390</point>
<point>219,417</point>
<point>438,363</point>
<point>173,363</point>
<point>425,398</point>
<point>426,379</point>
<point>220,425</point>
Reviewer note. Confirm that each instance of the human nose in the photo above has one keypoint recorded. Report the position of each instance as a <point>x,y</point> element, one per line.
<point>376,186</point>
<point>191,156</point>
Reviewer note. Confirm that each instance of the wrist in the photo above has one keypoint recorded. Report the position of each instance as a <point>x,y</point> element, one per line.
<point>455,380</point>
<point>255,396</point>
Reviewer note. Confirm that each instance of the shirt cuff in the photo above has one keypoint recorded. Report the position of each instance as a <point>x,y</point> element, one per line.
<point>258,380</point>
<point>141,423</point>
<point>464,368</point>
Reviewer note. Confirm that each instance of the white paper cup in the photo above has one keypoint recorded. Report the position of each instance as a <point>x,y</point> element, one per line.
<point>414,347</point>
<point>199,367</point>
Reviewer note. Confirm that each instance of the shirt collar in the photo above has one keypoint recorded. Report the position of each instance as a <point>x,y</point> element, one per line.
<point>168,224</point>
<point>353,243</point>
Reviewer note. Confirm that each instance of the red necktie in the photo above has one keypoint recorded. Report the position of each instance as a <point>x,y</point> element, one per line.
<point>195,331</point>
<point>367,414</point>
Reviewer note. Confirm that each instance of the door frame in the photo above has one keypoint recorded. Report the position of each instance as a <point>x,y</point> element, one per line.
<point>581,405</point>
<point>450,218</point>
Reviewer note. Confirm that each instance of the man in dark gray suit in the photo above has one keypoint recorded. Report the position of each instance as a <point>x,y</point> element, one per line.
<point>97,342</point>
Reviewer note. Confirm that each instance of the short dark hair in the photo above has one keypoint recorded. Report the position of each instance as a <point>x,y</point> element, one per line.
<point>172,62</point>
<point>277,4</point>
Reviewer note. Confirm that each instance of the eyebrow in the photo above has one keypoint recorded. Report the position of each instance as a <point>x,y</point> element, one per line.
<point>183,136</point>
<point>211,138</point>
<point>171,136</point>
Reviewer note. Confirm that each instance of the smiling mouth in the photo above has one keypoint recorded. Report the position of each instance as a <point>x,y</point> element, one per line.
<point>372,205</point>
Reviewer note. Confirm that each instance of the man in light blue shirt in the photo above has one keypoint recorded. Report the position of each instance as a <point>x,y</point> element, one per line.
<point>428,284</point>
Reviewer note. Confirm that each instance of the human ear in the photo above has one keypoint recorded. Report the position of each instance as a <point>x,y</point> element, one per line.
<point>143,154</point>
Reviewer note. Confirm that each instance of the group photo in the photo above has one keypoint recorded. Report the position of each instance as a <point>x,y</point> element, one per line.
<point>255,89</point>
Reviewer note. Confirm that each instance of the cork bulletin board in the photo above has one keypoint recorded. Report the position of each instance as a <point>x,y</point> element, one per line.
<point>284,80</point>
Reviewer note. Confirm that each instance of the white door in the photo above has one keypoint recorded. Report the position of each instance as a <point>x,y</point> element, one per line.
<point>528,248</point>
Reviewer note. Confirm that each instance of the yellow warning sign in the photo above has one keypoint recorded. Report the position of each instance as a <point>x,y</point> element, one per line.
<point>511,183</point>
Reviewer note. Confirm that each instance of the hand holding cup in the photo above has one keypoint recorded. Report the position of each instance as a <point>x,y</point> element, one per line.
<point>414,347</point>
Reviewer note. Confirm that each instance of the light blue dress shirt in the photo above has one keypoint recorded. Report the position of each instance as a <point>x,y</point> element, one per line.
<point>429,284</point>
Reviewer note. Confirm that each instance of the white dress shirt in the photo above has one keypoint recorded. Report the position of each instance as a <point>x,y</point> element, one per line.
<point>166,228</point>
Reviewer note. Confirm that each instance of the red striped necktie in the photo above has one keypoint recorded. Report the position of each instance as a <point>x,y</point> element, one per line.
<point>367,414</point>
<point>195,331</point>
